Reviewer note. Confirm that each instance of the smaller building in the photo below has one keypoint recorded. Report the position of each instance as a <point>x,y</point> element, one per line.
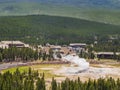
<point>106,55</point>
<point>78,45</point>
<point>55,48</point>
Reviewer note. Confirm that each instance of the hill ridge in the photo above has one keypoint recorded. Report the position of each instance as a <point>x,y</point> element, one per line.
<point>43,29</point>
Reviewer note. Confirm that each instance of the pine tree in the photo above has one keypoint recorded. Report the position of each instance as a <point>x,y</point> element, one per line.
<point>40,84</point>
<point>36,55</point>
<point>54,84</point>
<point>1,57</point>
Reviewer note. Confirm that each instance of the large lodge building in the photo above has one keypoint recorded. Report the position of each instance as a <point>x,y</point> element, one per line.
<point>8,44</point>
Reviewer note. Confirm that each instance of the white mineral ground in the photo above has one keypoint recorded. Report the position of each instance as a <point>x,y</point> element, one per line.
<point>84,71</point>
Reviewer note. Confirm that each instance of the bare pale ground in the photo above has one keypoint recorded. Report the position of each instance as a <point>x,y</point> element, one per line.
<point>95,71</point>
<point>108,68</point>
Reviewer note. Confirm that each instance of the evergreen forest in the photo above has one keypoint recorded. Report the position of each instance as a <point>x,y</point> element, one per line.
<point>32,80</point>
<point>41,29</point>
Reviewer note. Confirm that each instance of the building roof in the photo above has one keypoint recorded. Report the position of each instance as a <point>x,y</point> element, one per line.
<point>107,53</point>
<point>81,44</point>
<point>11,42</point>
<point>56,47</point>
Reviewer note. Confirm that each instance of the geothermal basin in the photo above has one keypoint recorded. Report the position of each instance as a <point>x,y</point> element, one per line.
<point>79,67</point>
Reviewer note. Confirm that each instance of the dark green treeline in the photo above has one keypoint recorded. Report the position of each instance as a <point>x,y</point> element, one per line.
<point>23,54</point>
<point>18,54</point>
<point>100,84</point>
<point>32,80</point>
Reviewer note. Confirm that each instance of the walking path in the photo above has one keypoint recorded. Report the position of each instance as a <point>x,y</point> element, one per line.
<point>10,65</point>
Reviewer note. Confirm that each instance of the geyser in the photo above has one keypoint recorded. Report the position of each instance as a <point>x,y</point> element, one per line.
<point>81,63</point>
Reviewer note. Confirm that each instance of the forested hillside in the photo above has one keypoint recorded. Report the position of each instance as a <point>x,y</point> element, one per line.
<point>61,30</point>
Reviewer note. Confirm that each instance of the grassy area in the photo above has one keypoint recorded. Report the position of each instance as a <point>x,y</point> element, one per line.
<point>12,70</point>
<point>116,65</point>
<point>106,62</point>
<point>47,69</point>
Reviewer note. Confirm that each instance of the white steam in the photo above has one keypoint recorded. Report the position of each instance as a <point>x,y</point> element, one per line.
<point>81,63</point>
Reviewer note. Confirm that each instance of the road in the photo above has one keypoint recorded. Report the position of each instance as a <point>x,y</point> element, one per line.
<point>15,64</point>
<point>10,65</point>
